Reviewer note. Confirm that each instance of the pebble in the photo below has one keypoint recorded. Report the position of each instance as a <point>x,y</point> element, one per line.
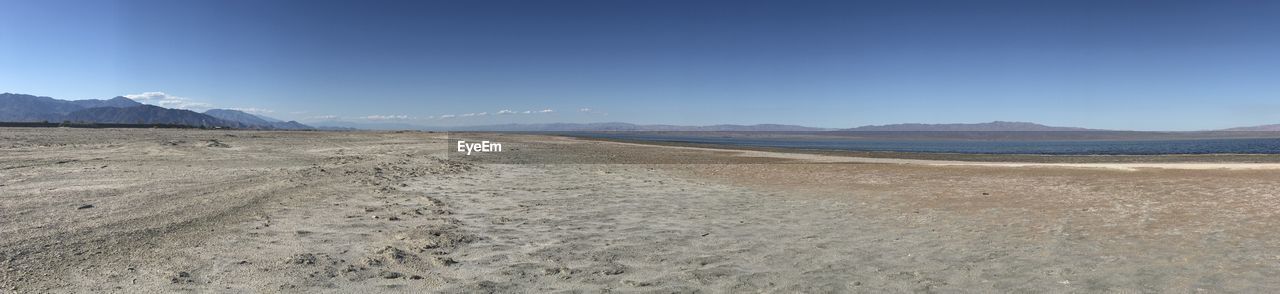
<point>86,206</point>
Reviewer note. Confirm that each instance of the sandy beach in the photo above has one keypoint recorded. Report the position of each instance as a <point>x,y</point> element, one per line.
<point>148,210</point>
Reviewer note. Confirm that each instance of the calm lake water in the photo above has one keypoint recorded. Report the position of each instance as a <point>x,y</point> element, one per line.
<point>1054,147</point>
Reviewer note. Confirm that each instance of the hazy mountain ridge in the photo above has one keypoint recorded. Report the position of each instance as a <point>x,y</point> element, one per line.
<point>564,127</point>
<point>989,127</point>
<point>31,108</point>
<point>995,126</point>
<point>1262,128</point>
<point>346,125</point>
<point>256,121</point>
<point>619,126</point>
<point>236,116</point>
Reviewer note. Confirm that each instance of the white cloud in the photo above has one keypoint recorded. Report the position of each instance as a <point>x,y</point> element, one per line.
<point>165,100</point>
<point>323,117</point>
<point>254,110</point>
<point>386,117</point>
<point>591,111</point>
<point>500,112</point>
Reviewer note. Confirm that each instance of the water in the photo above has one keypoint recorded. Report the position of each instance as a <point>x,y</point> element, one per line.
<point>1042,147</point>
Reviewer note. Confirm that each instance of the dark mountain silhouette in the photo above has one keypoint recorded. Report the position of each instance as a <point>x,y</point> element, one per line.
<point>118,101</point>
<point>29,108</point>
<point>121,110</point>
<point>150,114</point>
<point>255,121</point>
<point>995,126</point>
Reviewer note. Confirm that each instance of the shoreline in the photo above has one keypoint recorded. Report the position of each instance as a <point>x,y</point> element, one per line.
<point>1220,158</point>
<point>1116,162</point>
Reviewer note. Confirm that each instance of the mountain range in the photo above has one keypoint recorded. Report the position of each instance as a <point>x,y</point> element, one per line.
<point>992,127</point>
<point>995,126</point>
<point>618,126</point>
<point>1263,128</point>
<point>121,110</point>
<point>255,120</point>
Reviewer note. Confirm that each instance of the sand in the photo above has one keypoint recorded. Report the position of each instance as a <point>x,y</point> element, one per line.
<point>176,211</point>
<point>819,158</point>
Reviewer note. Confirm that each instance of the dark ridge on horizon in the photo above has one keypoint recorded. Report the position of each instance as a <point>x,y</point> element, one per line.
<point>149,114</point>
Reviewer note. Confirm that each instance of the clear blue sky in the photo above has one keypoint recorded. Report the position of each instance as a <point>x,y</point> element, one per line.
<point>1146,65</point>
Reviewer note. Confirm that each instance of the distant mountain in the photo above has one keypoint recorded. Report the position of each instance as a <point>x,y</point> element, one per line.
<point>566,127</point>
<point>237,116</point>
<point>29,108</point>
<point>551,127</point>
<point>346,125</point>
<point>150,114</point>
<point>290,125</point>
<point>256,121</point>
<point>329,128</point>
<point>995,126</point>
<point>1263,128</point>
<point>762,128</point>
<point>121,110</point>
<point>267,118</point>
<point>118,101</point>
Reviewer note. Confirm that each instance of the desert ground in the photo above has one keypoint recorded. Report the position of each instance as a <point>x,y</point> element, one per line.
<point>151,210</point>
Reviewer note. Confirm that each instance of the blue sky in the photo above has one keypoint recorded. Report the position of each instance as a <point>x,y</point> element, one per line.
<point>1142,65</point>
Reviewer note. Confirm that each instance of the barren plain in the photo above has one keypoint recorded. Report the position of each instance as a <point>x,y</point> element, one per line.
<point>143,210</point>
